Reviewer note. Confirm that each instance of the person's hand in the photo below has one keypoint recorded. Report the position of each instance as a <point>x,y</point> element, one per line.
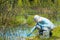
<point>28,34</point>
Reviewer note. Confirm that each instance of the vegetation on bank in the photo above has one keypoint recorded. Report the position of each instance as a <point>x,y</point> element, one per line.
<point>11,11</point>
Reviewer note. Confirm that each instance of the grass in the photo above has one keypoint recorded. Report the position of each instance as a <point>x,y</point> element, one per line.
<point>38,38</point>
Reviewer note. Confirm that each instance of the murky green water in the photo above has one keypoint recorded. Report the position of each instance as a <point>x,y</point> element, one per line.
<point>19,33</point>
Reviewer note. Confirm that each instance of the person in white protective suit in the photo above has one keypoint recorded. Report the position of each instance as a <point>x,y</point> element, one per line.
<point>42,24</point>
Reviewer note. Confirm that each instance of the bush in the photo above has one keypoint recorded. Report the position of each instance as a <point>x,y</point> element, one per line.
<point>30,21</point>
<point>20,20</point>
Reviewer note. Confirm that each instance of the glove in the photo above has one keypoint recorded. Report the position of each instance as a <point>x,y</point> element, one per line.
<point>28,34</point>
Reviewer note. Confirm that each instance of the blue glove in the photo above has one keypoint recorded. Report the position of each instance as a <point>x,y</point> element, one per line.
<point>29,34</point>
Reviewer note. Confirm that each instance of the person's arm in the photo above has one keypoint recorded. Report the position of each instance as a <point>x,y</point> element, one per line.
<point>32,30</point>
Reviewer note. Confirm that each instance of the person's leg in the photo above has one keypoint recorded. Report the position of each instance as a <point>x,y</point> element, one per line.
<point>50,33</point>
<point>40,32</point>
<point>46,32</point>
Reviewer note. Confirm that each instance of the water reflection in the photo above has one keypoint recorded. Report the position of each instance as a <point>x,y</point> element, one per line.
<point>16,33</point>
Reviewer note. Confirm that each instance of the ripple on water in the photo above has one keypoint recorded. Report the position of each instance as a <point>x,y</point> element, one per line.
<point>18,33</point>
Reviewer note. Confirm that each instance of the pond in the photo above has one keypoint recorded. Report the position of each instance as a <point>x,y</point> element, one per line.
<point>19,33</point>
